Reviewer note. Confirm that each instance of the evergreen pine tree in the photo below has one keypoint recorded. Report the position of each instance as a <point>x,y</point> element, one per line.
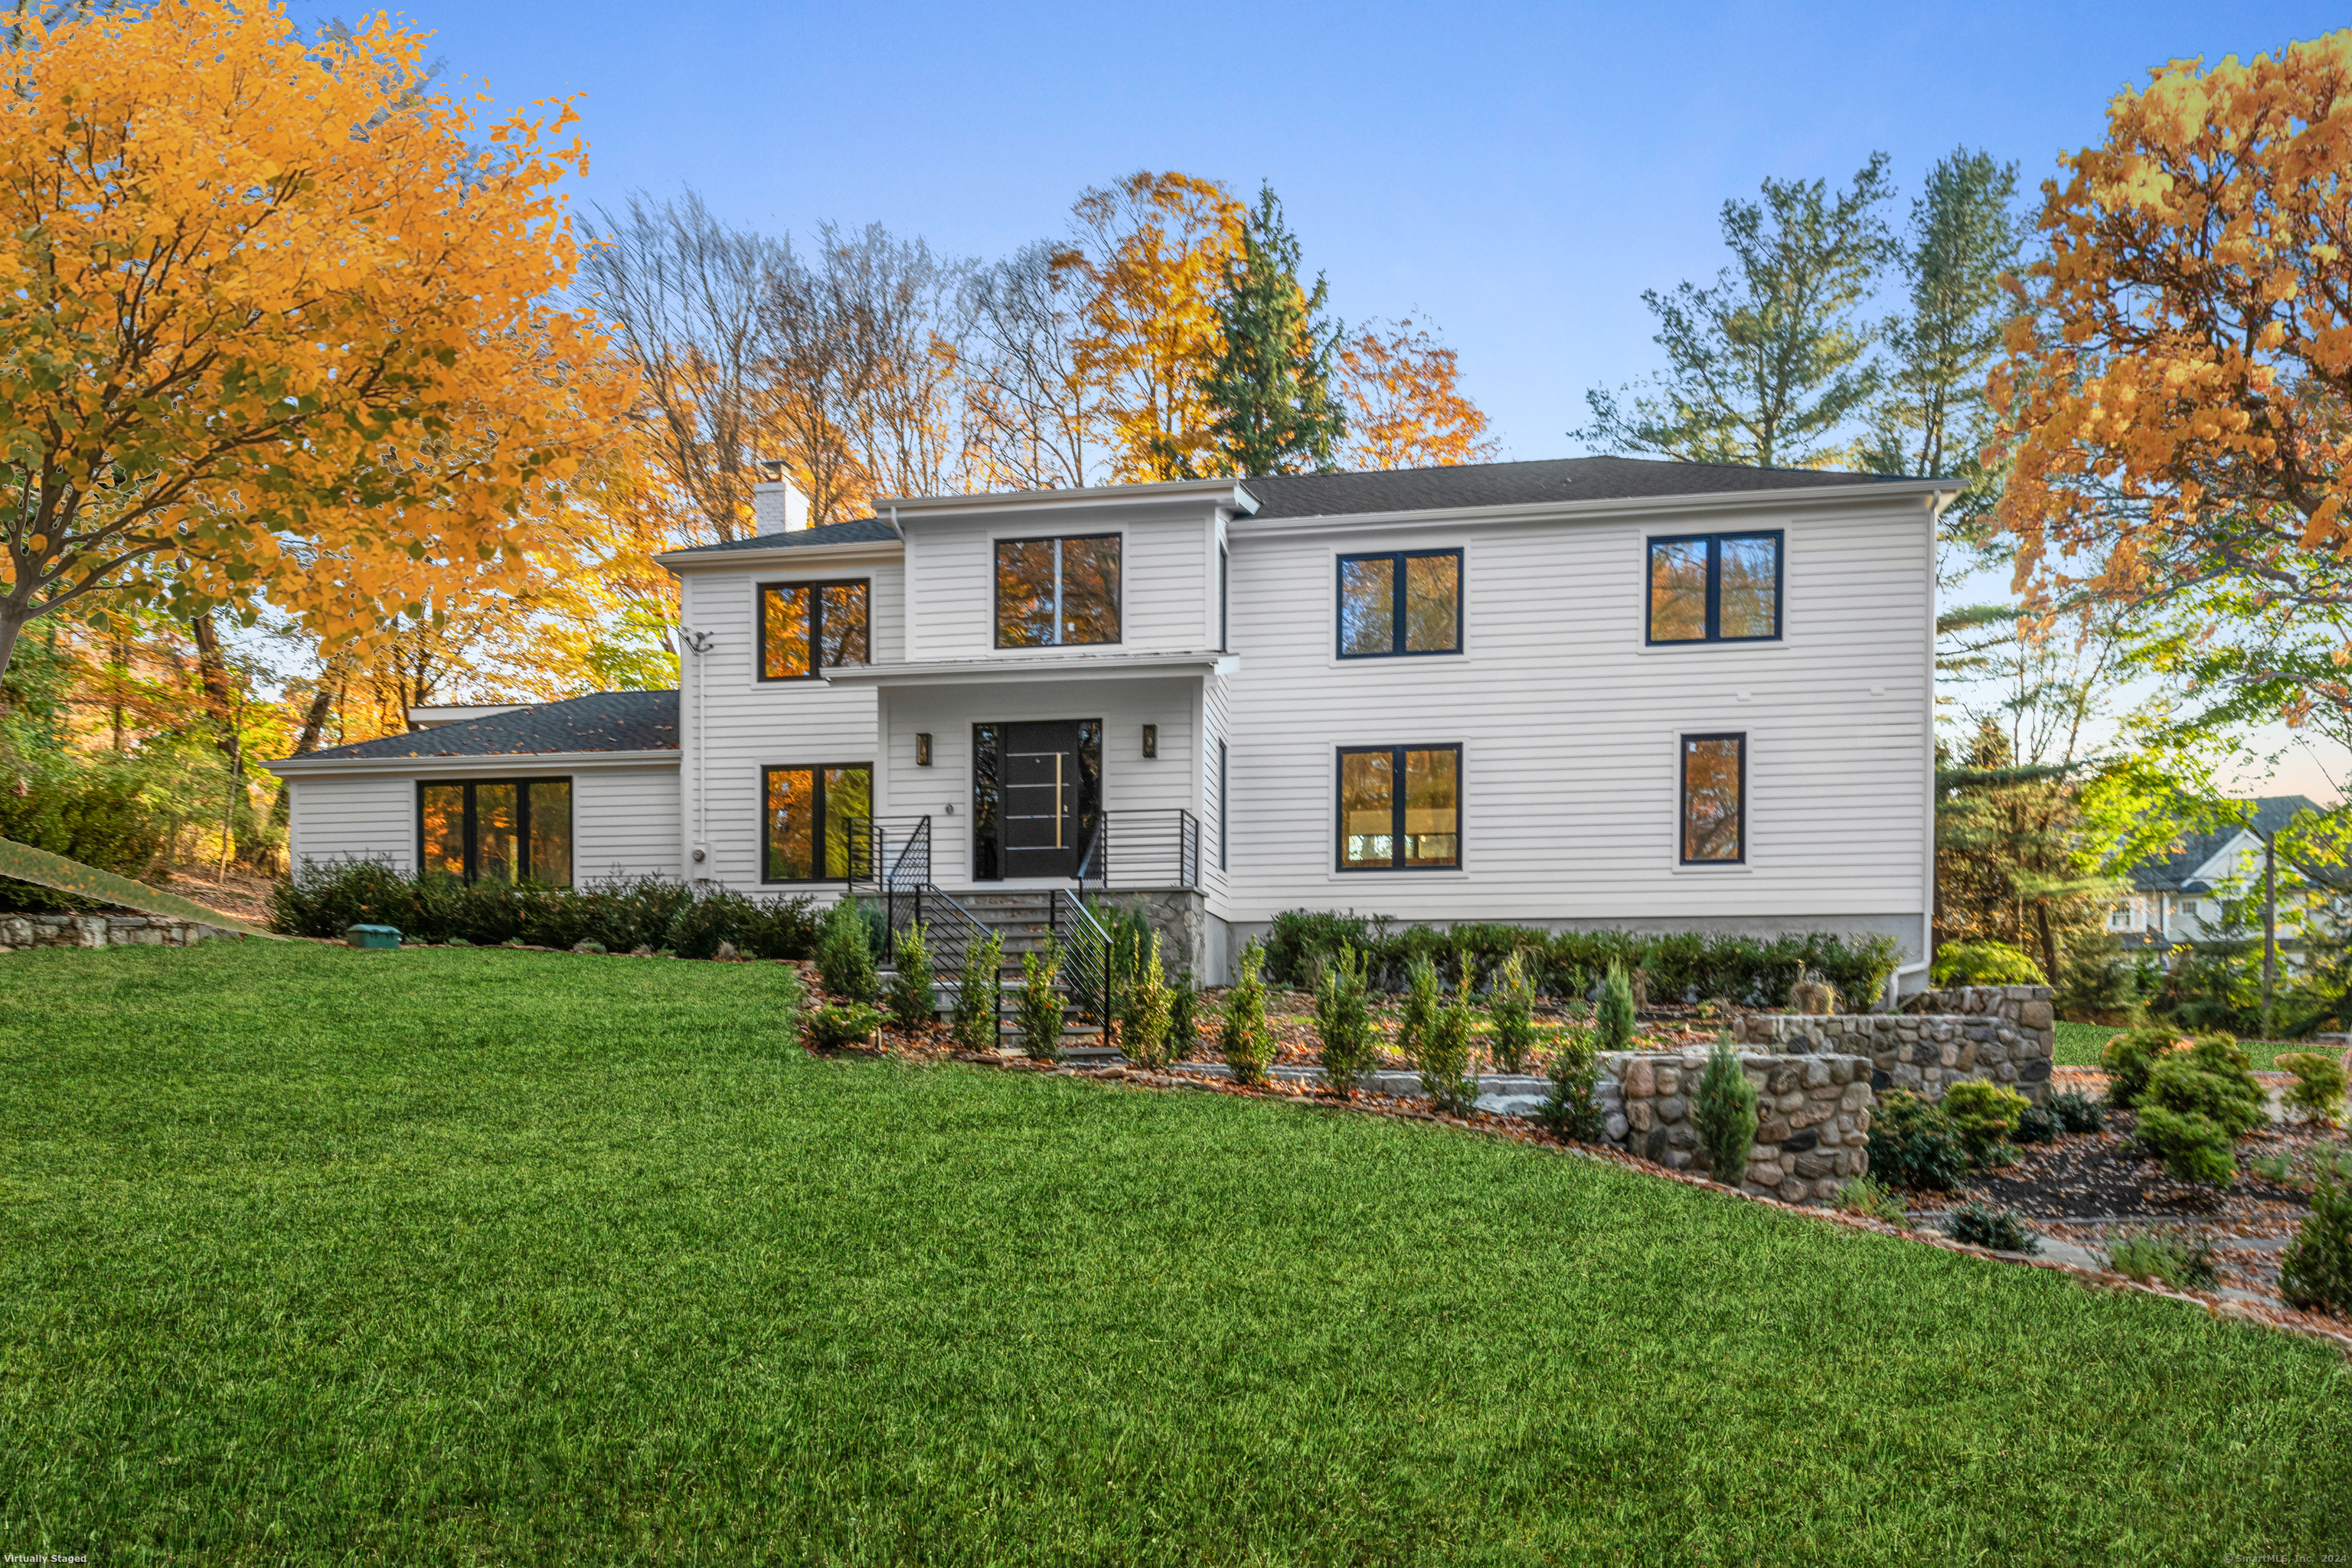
<point>1273,409</point>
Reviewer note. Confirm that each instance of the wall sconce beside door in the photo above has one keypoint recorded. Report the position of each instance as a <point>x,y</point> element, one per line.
<point>1151,739</point>
<point>922,747</point>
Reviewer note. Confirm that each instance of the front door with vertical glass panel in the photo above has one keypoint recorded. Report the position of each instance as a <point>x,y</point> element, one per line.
<point>1037,796</point>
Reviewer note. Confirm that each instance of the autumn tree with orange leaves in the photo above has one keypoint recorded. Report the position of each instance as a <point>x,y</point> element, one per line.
<point>2177,390</point>
<point>272,324</point>
<point>1406,409</point>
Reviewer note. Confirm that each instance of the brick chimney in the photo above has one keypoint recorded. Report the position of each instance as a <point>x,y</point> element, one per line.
<point>776,506</point>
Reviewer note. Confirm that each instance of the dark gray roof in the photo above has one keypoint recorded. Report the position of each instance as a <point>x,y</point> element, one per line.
<point>1522,484</point>
<point>856,531</point>
<point>2171,873</point>
<point>603,722</point>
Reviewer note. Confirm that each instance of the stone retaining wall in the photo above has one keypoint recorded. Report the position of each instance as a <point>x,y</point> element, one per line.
<point>103,930</point>
<point>1813,1112</point>
<point>2002,1034</point>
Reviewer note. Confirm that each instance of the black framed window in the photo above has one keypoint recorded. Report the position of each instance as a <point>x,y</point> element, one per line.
<point>496,830</point>
<point>1400,605</point>
<point>1714,830</point>
<point>1714,587</point>
<point>805,819</point>
<point>1399,808</point>
<point>1057,593</point>
<point>808,627</point>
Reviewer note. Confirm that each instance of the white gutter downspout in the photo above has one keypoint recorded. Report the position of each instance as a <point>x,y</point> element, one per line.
<point>1936,504</point>
<point>698,848</point>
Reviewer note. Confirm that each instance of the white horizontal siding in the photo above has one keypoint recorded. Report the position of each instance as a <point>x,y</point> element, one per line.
<point>1167,571</point>
<point>1570,728</point>
<point>368,818</point>
<point>624,824</point>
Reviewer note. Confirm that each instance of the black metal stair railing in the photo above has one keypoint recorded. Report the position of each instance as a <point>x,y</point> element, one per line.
<point>1085,949</point>
<point>1143,850</point>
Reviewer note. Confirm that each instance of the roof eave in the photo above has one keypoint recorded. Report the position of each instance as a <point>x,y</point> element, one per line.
<point>295,767</point>
<point>1935,493</point>
<point>779,555</point>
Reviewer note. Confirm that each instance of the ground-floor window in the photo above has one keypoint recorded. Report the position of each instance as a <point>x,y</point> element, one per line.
<point>498,830</point>
<point>1399,808</point>
<point>808,816</point>
<point>1714,800</point>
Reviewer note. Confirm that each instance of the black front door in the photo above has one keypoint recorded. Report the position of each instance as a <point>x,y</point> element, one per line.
<point>1043,798</point>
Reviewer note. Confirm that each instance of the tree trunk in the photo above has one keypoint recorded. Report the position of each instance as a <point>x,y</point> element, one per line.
<point>212,670</point>
<point>13,620</point>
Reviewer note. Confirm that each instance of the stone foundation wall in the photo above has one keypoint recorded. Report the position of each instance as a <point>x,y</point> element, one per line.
<point>2001,1034</point>
<point>1182,917</point>
<point>103,930</point>
<point>1813,1112</point>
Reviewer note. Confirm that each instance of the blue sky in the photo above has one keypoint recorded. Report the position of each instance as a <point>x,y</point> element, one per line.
<point>1518,172</point>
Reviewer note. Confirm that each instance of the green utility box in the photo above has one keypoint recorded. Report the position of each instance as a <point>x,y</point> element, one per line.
<point>372,936</point>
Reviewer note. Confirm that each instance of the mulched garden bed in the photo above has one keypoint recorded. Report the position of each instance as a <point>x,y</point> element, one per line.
<point>2094,1173</point>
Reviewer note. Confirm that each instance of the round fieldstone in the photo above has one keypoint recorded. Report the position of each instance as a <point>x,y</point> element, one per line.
<point>1672,1108</point>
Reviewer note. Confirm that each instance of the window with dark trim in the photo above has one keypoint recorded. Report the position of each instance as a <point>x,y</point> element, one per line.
<point>1057,593</point>
<point>1399,808</point>
<point>1714,587</point>
<point>1400,605</point>
<point>1714,826</point>
<point>808,627</point>
<point>496,830</point>
<point>806,818</point>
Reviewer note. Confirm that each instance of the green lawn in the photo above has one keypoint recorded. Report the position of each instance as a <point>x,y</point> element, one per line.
<point>472,1257</point>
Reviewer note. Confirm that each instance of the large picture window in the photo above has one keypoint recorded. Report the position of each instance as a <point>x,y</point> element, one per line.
<point>807,819</point>
<point>1403,604</point>
<point>1057,593</point>
<point>808,627</point>
<point>1399,808</point>
<point>497,830</point>
<point>1714,800</point>
<point>1714,587</point>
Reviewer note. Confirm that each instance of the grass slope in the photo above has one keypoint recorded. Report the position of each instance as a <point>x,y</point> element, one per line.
<point>2078,1045</point>
<point>322,1256</point>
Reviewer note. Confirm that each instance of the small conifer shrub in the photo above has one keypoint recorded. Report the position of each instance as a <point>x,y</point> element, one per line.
<point>911,982</point>
<point>1725,1111</point>
<point>1343,1022</point>
<point>1247,1040</point>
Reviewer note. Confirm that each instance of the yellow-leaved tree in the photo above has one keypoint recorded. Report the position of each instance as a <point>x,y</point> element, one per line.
<point>1150,267</point>
<point>1406,408</point>
<point>271,323</point>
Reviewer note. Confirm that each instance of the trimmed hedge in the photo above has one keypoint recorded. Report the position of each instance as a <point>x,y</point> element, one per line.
<point>325,900</point>
<point>1683,966</point>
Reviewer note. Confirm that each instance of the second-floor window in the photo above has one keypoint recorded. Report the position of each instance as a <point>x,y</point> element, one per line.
<point>808,627</point>
<point>1714,587</point>
<point>1407,603</point>
<point>1057,593</point>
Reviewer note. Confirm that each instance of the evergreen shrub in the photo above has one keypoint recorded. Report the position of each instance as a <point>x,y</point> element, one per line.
<point>910,981</point>
<point>2213,1078</point>
<point>1572,1109</point>
<point>2182,1259</point>
<point>845,958</point>
<point>980,994</point>
<point>1184,1018</point>
<point>1343,1022</point>
<point>1445,1057</point>
<point>1724,1109</point>
<point>1874,1199</point>
<point>2316,1270</point>
<point>1978,1224</point>
<point>2319,1085</point>
<point>2128,1058</point>
<point>2036,1125</point>
<point>1246,1039</point>
<point>1039,1014</point>
<point>838,1025</point>
<point>1984,1115</point>
<point>2078,1112</point>
<point>1984,964</point>
<point>1144,1037</point>
<point>2193,1148</point>
<point>1421,1002</point>
<point>1511,1005</point>
<point>1912,1144</point>
<point>1613,1016</point>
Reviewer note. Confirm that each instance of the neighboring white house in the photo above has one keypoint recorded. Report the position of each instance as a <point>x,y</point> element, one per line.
<point>2177,897</point>
<point>1593,692</point>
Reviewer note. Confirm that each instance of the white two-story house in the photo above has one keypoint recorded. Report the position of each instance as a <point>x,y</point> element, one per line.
<point>1593,692</point>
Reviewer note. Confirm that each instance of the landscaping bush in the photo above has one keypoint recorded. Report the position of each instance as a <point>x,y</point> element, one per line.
<point>837,1025</point>
<point>844,959</point>
<point>1724,1109</point>
<point>1445,1060</point>
<point>1143,1036</point>
<point>1183,1018</point>
<point>2129,1056</point>
<point>1612,1017</point>
<point>2036,1125</point>
<point>1247,1041</point>
<point>980,994</point>
<point>1511,1005</point>
<point>1038,1016</point>
<point>1912,1145</point>
<point>1683,966</point>
<point>2213,1078</point>
<point>1871,1198</point>
<point>1984,1115</point>
<point>1984,964</point>
<point>1422,1000</point>
<point>2319,1092</point>
<point>1978,1224</point>
<point>1343,1022</point>
<point>2193,1148</point>
<point>2078,1112</point>
<point>2316,1270</point>
<point>2180,1259</point>
<point>1572,1109</point>
<point>911,982</point>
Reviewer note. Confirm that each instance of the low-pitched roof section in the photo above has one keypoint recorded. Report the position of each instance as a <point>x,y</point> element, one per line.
<point>1554,480</point>
<point>602,721</point>
<point>2176,872</point>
